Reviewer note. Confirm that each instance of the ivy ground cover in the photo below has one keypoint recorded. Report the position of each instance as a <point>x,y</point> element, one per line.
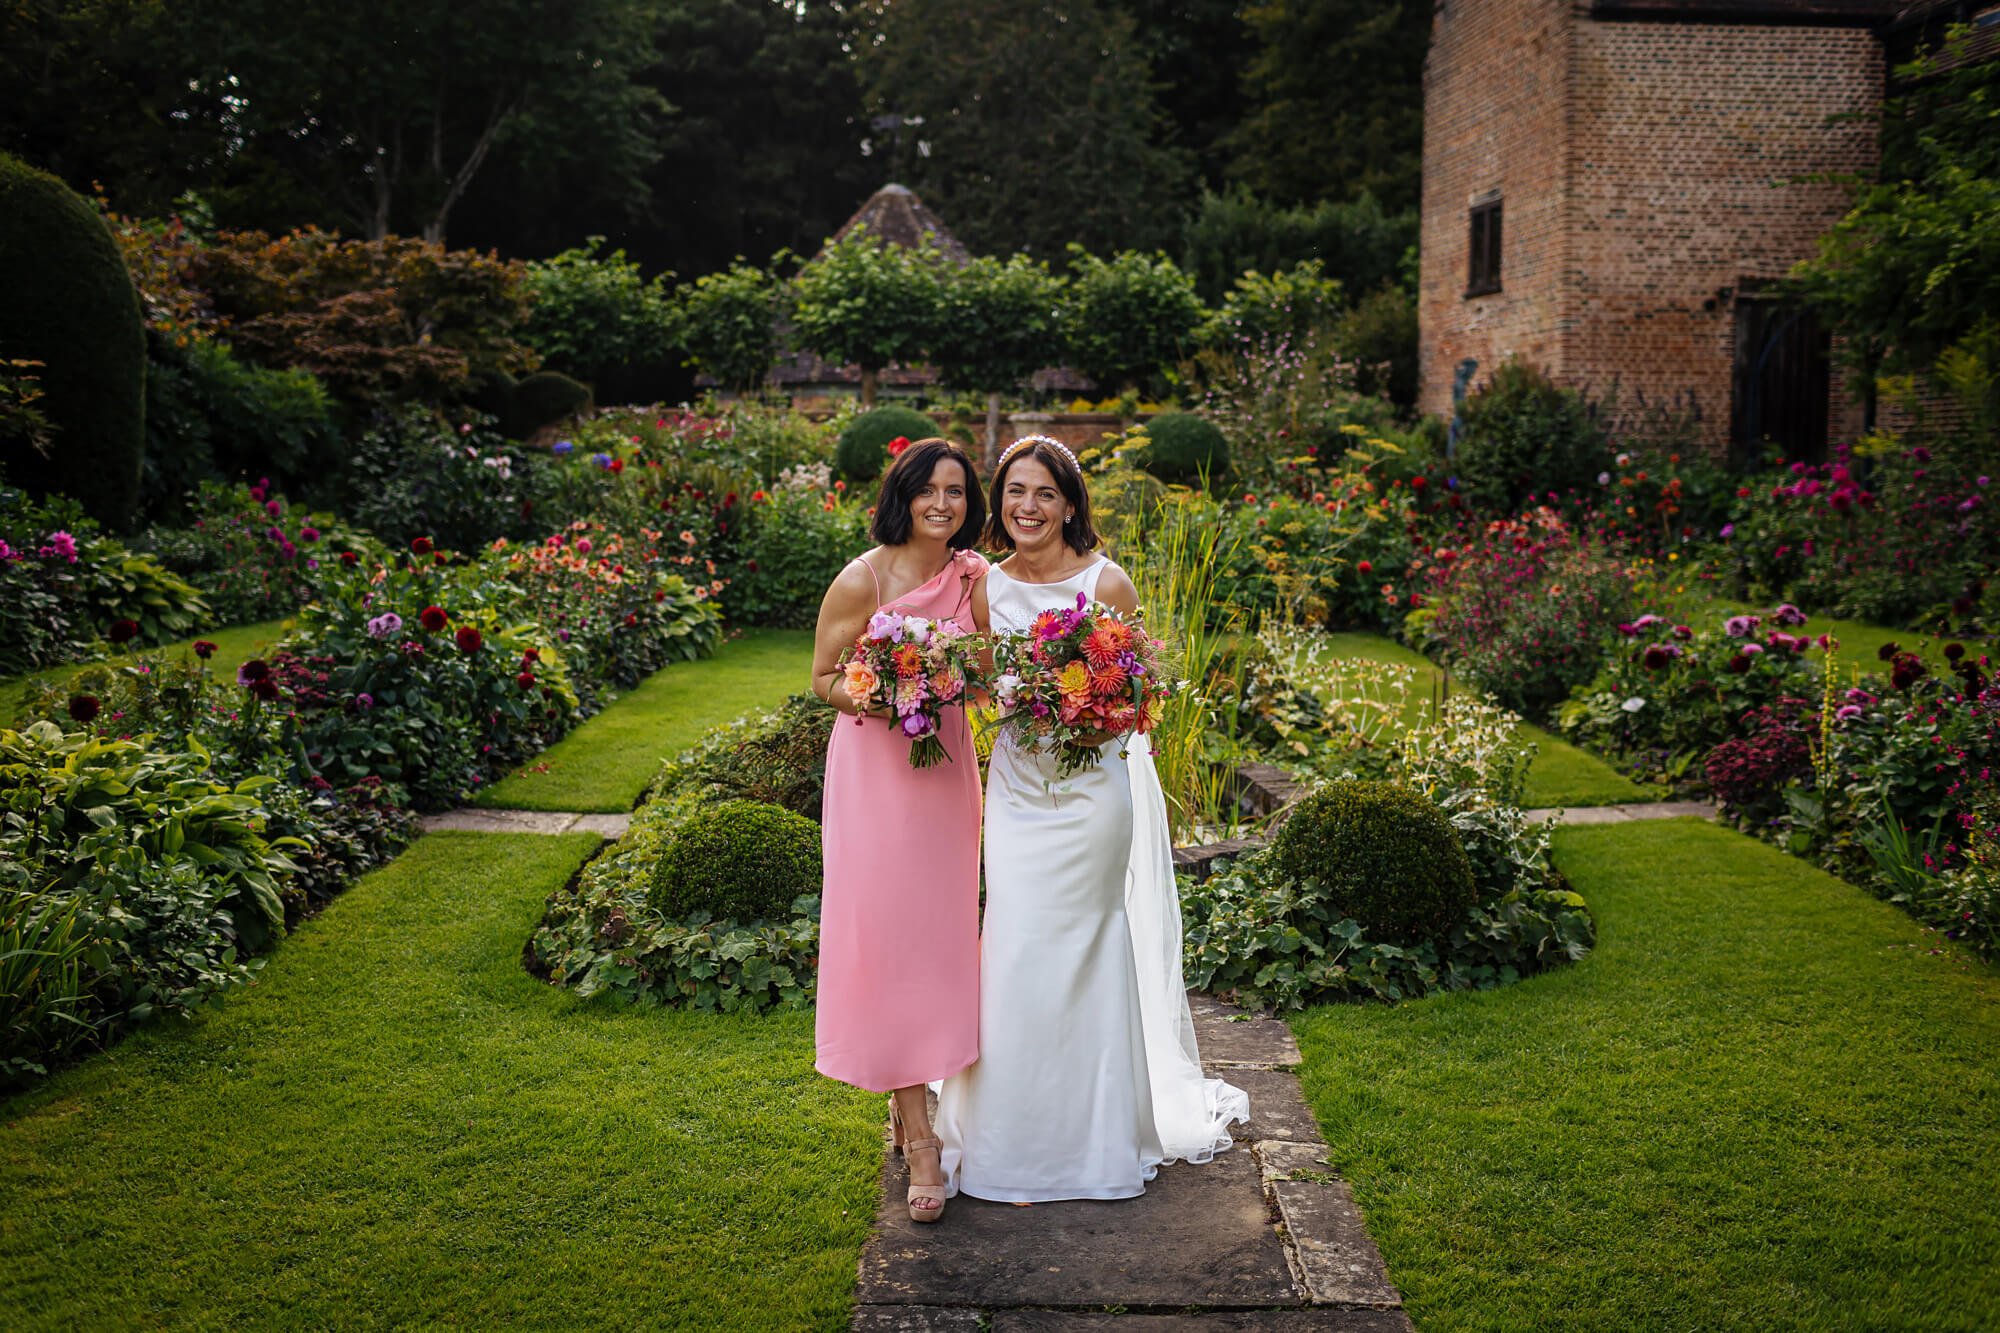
<point>401,1125</point>
<point>1765,1100</point>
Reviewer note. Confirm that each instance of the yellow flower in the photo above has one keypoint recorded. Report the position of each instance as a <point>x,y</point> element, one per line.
<point>1074,679</point>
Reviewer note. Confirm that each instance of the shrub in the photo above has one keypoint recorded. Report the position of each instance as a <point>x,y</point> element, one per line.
<point>1750,772</point>
<point>590,314</point>
<point>1526,607</point>
<point>211,416</point>
<point>249,550</point>
<point>1128,317</point>
<point>542,399</point>
<point>1361,246</point>
<point>1185,449</point>
<point>1521,437</point>
<point>71,306</point>
<point>1380,854</point>
<point>1378,337</point>
<point>785,551</point>
<point>862,451</point>
<point>737,861</point>
<point>778,758</point>
<point>728,325</point>
<point>1288,305</point>
<point>410,474</point>
<point>598,935</point>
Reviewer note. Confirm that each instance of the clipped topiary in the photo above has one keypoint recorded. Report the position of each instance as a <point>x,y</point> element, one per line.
<point>1383,855</point>
<point>740,860</point>
<point>70,304</point>
<point>542,399</point>
<point>863,450</point>
<point>1185,448</point>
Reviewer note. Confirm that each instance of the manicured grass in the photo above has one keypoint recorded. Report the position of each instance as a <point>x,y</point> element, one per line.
<point>1763,1102</point>
<point>1561,774</point>
<point>399,1126</point>
<point>1860,640</point>
<point>605,765</point>
<point>233,647</point>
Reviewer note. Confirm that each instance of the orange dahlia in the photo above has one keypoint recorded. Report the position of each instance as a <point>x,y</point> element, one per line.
<point>909,660</point>
<point>1103,644</point>
<point>1109,681</point>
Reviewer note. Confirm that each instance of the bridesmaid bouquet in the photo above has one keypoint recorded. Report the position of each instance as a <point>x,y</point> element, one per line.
<point>1080,671</point>
<point>915,668</point>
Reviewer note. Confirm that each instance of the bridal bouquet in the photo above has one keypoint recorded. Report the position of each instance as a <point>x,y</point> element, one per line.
<point>1080,671</point>
<point>915,668</point>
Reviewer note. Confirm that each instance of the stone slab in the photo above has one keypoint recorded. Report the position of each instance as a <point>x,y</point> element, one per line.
<point>1229,1037</point>
<point>1669,810</point>
<point>1339,1260</point>
<point>473,820</point>
<point>604,826</point>
<point>1286,1160</point>
<point>1621,814</point>
<point>913,1319</point>
<point>1200,1236</point>
<point>1229,1321</point>
<point>1277,1108</point>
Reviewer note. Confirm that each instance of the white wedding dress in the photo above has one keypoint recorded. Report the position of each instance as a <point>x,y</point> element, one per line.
<point>1088,1077</point>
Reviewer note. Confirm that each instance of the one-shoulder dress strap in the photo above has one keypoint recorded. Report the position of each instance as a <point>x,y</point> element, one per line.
<point>873,575</point>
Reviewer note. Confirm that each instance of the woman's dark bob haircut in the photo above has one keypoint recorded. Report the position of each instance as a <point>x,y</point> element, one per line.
<point>1078,535</point>
<point>905,481</point>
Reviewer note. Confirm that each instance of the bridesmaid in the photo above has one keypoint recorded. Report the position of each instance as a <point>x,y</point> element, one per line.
<point>898,1000</point>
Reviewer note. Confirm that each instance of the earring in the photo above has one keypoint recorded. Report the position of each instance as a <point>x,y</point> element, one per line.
<point>1068,517</point>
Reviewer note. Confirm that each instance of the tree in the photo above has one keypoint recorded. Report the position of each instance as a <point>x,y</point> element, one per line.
<point>863,302</point>
<point>1025,125</point>
<point>388,112</point>
<point>1913,270</point>
<point>1197,50</point>
<point>591,314</point>
<point>1235,233</point>
<point>998,323</point>
<point>1337,100</point>
<point>1128,316</point>
<point>727,325</point>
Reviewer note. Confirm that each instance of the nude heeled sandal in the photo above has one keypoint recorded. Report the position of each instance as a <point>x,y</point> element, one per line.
<point>925,1191</point>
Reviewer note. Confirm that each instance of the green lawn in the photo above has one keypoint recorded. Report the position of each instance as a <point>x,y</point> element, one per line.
<point>1859,639</point>
<point>1561,774</point>
<point>399,1126</point>
<point>233,647</point>
<point>1763,1102</point>
<point>605,765</point>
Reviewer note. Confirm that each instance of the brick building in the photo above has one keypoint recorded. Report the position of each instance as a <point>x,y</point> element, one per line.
<point>1611,189</point>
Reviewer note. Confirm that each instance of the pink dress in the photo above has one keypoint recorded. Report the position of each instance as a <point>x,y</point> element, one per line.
<point>899,918</point>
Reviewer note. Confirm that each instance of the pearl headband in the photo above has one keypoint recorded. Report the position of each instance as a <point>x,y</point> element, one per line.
<point>1058,445</point>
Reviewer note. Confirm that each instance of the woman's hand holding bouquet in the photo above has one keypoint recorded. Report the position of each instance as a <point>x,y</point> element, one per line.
<point>910,670</point>
<point>1077,676</point>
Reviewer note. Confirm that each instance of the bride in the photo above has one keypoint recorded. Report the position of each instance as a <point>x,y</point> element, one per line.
<point>1088,1077</point>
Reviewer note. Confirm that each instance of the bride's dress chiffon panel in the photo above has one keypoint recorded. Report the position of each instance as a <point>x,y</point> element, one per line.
<point>1062,1102</point>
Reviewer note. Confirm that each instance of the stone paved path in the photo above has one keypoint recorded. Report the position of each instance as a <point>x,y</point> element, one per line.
<point>1264,1237</point>
<point>471,819</point>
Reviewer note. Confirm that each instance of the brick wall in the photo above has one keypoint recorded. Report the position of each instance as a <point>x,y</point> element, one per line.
<point>1646,170</point>
<point>1495,96</point>
<point>1686,144</point>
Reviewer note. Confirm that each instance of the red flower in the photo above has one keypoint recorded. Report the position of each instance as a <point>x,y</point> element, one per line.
<point>659,594</point>
<point>617,465</point>
<point>758,497</point>
<point>438,559</point>
<point>468,639</point>
<point>434,618</point>
<point>252,671</point>
<point>530,656</point>
<point>422,546</point>
<point>1420,482</point>
<point>83,707</point>
<point>265,689</point>
<point>123,631</point>
<point>349,558</point>
<point>729,500</point>
<point>1366,566</point>
<point>204,649</point>
<point>897,445</point>
<point>631,617</point>
<point>526,680</point>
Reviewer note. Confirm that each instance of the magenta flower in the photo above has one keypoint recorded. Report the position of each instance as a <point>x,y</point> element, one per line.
<point>62,544</point>
<point>915,725</point>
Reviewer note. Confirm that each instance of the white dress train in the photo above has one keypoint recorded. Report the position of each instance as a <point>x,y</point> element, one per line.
<point>1088,1076</point>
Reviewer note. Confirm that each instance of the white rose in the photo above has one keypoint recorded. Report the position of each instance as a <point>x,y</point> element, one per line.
<point>916,629</point>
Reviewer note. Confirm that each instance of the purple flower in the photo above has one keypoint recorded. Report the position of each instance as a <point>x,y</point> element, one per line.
<point>1979,481</point>
<point>385,625</point>
<point>1968,504</point>
<point>602,460</point>
<point>364,700</point>
<point>1753,648</point>
<point>561,447</point>
<point>886,625</point>
<point>1737,627</point>
<point>1847,712</point>
<point>273,508</point>
<point>915,725</point>
<point>1787,614</point>
<point>62,544</point>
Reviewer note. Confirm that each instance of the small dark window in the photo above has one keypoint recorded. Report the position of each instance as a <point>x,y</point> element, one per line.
<point>1485,274</point>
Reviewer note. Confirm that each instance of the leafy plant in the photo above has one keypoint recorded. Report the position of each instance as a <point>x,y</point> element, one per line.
<point>869,303</point>
<point>737,861</point>
<point>590,313</point>
<point>1381,853</point>
<point>1128,316</point>
<point>728,324</point>
<point>1521,437</point>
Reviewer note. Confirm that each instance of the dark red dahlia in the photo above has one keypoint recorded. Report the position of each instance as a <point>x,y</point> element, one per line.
<point>204,649</point>
<point>123,631</point>
<point>83,707</point>
<point>422,546</point>
<point>434,618</point>
<point>468,639</point>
